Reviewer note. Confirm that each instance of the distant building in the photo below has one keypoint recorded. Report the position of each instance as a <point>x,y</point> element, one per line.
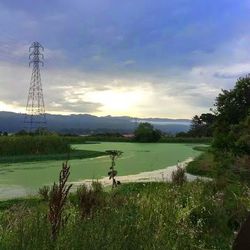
<point>128,135</point>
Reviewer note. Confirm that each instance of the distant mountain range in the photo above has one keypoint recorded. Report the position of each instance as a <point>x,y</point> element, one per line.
<point>86,124</point>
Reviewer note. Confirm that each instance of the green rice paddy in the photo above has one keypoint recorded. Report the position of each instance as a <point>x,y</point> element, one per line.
<point>19,179</point>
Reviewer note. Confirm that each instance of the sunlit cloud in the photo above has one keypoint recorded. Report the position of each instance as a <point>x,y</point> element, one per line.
<point>118,101</point>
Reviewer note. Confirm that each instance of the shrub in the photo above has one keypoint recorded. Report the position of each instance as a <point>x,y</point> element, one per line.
<point>44,192</point>
<point>89,199</point>
<point>178,176</point>
<point>97,187</point>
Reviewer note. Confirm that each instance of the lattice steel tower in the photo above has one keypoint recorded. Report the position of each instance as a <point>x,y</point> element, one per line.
<point>35,117</point>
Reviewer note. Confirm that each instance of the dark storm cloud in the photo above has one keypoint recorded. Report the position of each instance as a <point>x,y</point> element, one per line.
<point>153,34</point>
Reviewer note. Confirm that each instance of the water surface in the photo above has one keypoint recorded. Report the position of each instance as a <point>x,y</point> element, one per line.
<point>19,179</point>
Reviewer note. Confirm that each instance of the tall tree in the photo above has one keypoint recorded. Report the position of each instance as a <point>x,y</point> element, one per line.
<point>232,122</point>
<point>232,106</point>
<point>202,125</point>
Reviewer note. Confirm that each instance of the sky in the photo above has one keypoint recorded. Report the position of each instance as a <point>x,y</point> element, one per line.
<point>143,58</point>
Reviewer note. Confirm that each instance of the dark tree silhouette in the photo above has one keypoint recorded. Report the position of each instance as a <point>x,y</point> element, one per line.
<point>145,132</point>
<point>232,124</point>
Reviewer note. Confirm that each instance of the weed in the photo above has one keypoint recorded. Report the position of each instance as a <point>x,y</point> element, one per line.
<point>178,176</point>
<point>89,199</point>
<point>114,154</point>
<point>44,192</point>
<point>57,200</point>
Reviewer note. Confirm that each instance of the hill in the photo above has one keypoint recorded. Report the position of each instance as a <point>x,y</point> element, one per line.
<point>85,123</point>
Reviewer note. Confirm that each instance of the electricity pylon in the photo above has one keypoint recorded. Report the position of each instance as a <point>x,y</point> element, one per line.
<point>35,117</point>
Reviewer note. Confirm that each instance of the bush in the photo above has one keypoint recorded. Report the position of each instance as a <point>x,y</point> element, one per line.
<point>178,176</point>
<point>44,192</point>
<point>97,187</point>
<point>89,199</point>
<point>145,132</point>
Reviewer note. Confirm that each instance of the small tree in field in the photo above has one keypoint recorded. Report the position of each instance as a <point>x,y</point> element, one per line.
<point>114,154</point>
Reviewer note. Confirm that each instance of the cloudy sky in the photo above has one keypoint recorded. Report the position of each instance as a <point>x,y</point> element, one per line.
<point>145,58</point>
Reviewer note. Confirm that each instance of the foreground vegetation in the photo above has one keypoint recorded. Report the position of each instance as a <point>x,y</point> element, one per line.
<point>134,216</point>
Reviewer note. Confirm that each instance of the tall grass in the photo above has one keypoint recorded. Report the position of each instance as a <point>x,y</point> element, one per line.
<point>32,145</point>
<point>136,216</point>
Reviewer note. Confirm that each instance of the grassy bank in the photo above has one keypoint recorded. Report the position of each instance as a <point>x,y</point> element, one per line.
<point>86,139</point>
<point>204,164</point>
<point>201,140</point>
<point>134,216</point>
<point>74,154</point>
<point>27,148</point>
<point>52,144</point>
<point>33,145</point>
